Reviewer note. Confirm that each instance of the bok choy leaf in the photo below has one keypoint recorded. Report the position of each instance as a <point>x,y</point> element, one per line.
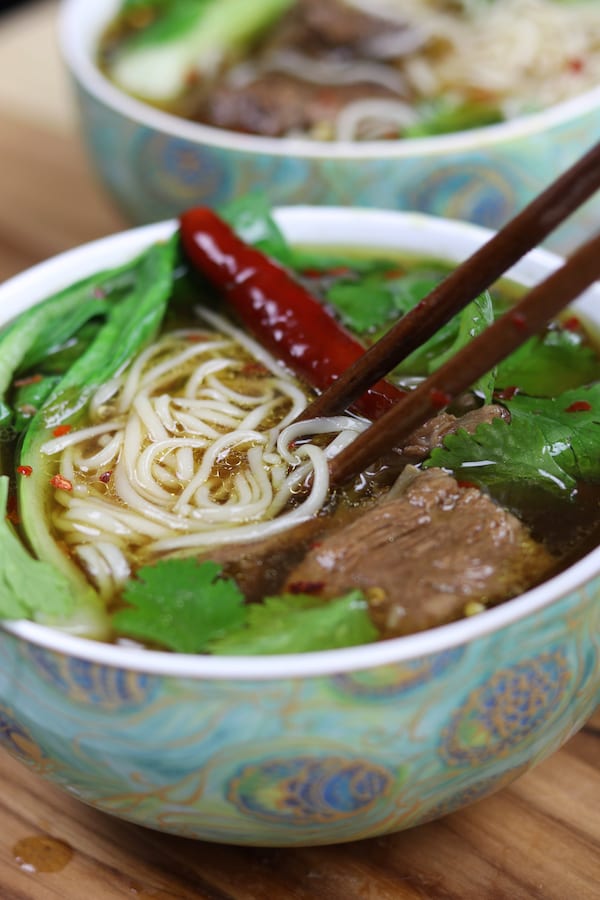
<point>187,36</point>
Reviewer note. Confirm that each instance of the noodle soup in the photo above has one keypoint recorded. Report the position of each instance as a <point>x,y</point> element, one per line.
<point>354,71</point>
<point>172,497</point>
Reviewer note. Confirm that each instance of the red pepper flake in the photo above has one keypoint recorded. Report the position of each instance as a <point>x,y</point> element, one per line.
<point>61,430</point>
<point>576,65</point>
<point>518,320</point>
<point>579,406</point>
<point>194,338</point>
<point>467,484</point>
<point>61,483</point>
<point>392,274</point>
<point>571,324</point>
<point>31,379</point>
<point>439,399</point>
<point>105,477</point>
<point>254,368</point>
<point>12,512</point>
<point>25,471</point>
<point>506,393</point>
<point>306,587</point>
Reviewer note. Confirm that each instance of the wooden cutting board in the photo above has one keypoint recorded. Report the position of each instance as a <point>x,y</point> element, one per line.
<point>539,838</point>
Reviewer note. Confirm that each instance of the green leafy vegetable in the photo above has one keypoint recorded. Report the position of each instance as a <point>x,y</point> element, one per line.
<point>187,36</point>
<point>549,364</point>
<point>128,327</point>
<point>180,604</point>
<point>364,306</point>
<point>549,442</point>
<point>28,588</point>
<point>299,624</point>
<point>251,218</point>
<point>442,116</point>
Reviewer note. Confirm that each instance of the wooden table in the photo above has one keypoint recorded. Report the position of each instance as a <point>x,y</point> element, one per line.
<point>537,839</point>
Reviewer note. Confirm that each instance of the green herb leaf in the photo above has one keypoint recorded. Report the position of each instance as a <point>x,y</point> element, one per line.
<point>443,117</point>
<point>180,604</point>
<point>549,364</point>
<point>251,218</point>
<point>570,424</point>
<point>363,306</point>
<point>501,452</point>
<point>29,589</point>
<point>549,442</point>
<point>299,624</point>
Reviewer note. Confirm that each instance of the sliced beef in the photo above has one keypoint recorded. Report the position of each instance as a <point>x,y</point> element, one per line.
<point>421,558</point>
<point>275,104</point>
<point>260,567</point>
<point>422,441</point>
<point>336,23</point>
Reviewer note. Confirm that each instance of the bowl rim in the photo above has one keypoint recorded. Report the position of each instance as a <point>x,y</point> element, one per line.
<point>66,267</point>
<point>76,39</point>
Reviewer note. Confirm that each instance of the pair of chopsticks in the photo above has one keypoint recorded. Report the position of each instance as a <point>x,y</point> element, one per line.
<point>465,283</point>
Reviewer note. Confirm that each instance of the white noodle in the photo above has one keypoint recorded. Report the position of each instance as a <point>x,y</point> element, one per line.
<point>516,56</point>
<point>214,459</point>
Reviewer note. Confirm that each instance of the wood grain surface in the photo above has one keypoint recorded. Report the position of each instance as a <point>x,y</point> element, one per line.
<point>539,838</point>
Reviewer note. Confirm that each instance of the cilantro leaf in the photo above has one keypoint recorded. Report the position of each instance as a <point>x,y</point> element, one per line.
<point>296,623</point>
<point>549,442</point>
<point>180,604</point>
<point>364,305</point>
<point>251,218</point>
<point>29,588</point>
<point>570,424</point>
<point>500,452</point>
<point>549,364</point>
<point>473,320</point>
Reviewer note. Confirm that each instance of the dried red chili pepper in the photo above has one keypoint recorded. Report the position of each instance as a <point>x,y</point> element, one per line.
<point>278,310</point>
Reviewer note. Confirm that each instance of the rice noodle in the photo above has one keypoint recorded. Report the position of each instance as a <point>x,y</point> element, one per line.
<point>191,447</point>
<point>515,56</point>
<point>526,54</point>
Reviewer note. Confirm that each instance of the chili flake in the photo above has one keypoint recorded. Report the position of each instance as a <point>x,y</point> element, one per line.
<point>571,324</point>
<point>61,430</point>
<point>579,406</point>
<point>105,477</point>
<point>506,393</point>
<point>60,482</point>
<point>26,471</point>
<point>439,398</point>
<point>518,320</point>
<point>23,382</point>
<point>306,587</point>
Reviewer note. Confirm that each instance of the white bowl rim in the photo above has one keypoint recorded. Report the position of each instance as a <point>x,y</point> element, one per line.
<point>79,59</point>
<point>85,259</point>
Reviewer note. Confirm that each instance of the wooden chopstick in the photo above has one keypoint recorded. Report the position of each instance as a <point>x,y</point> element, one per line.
<point>480,355</point>
<point>524,232</point>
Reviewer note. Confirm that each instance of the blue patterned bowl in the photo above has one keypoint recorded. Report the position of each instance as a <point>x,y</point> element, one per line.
<point>155,164</point>
<point>314,748</point>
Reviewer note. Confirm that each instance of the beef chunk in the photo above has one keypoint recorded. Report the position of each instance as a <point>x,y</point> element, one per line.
<point>422,441</point>
<point>422,557</point>
<point>259,567</point>
<point>275,104</point>
<point>336,23</point>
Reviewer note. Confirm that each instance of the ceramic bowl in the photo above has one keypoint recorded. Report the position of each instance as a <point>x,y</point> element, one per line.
<point>319,747</point>
<point>155,164</point>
